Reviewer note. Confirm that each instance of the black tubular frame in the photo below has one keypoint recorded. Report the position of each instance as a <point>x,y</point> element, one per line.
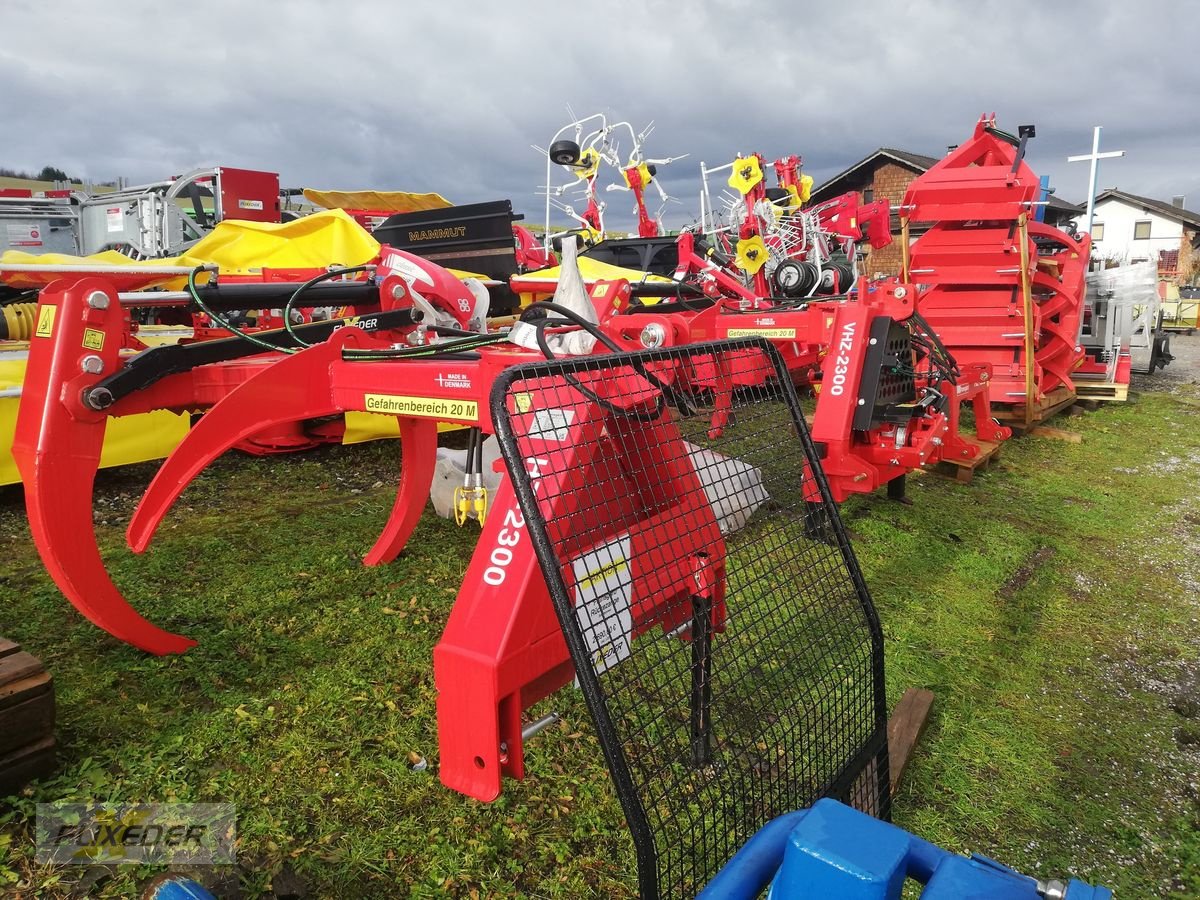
<point>859,773</point>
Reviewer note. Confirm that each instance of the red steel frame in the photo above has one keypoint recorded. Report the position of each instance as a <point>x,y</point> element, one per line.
<point>1000,288</point>
<point>502,649</point>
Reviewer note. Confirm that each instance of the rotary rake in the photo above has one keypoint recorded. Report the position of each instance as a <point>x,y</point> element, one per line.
<point>594,143</point>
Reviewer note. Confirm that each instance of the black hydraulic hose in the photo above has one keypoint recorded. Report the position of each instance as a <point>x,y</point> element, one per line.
<point>324,276</point>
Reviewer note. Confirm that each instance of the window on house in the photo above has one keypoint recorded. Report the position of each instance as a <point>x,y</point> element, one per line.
<point>1097,231</point>
<point>868,195</point>
<point>1141,230</point>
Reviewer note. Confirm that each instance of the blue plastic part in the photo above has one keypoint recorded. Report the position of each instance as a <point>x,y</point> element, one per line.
<point>835,852</point>
<point>176,887</point>
<point>1039,211</point>
<point>752,867</point>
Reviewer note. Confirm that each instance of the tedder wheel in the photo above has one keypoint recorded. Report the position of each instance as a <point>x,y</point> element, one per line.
<point>564,153</point>
<point>794,278</point>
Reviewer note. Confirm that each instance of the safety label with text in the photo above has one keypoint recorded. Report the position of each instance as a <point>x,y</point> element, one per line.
<point>603,601</point>
<point>777,333</point>
<point>427,407</point>
<point>552,424</point>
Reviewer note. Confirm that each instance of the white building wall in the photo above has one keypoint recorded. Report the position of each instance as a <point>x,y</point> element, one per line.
<point>1118,219</point>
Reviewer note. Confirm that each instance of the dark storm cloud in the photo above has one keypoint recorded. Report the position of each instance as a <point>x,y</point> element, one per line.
<point>449,96</point>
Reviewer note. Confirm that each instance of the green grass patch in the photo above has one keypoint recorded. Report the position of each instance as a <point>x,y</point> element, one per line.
<point>1048,606</point>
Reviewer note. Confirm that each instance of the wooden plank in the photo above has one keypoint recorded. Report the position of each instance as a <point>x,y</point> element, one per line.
<point>905,728</point>
<point>25,689</point>
<point>1109,390</point>
<point>26,763</point>
<point>1058,434</point>
<point>26,722</point>
<point>18,666</point>
<point>8,647</point>
<point>963,470</point>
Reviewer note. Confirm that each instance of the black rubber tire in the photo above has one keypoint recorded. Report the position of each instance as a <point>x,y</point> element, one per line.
<point>564,153</point>
<point>794,278</point>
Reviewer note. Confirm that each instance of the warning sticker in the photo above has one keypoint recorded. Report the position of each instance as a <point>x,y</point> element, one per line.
<point>778,333</point>
<point>425,407</point>
<point>552,424</point>
<point>93,339</point>
<point>24,234</point>
<point>603,599</point>
<point>115,218</point>
<point>523,402</point>
<point>45,322</point>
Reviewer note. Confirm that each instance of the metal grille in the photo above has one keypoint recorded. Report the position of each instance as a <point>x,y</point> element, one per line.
<point>720,628</point>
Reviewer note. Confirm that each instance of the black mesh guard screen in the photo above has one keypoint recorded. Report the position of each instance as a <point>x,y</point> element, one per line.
<point>720,628</point>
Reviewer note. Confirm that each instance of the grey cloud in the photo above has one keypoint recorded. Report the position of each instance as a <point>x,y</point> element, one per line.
<point>448,96</point>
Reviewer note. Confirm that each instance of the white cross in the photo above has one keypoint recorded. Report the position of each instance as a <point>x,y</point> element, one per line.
<point>1095,156</point>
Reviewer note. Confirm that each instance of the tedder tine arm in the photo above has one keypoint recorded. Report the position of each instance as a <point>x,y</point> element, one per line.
<point>57,449</point>
<point>289,390</point>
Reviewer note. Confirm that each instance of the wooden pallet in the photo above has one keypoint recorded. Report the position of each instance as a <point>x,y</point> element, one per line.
<point>26,718</point>
<point>1049,406</point>
<point>904,729</point>
<point>1102,390</point>
<point>963,470</point>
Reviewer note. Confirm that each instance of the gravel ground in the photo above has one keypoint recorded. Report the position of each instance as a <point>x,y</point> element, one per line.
<point>1182,375</point>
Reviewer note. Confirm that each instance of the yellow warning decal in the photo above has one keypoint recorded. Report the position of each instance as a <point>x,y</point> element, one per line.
<point>93,339</point>
<point>45,323</point>
<point>426,407</point>
<point>776,333</point>
<point>523,402</point>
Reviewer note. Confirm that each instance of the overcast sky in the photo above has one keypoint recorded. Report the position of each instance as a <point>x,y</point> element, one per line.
<point>449,95</point>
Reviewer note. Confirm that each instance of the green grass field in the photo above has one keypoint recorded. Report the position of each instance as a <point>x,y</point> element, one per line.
<point>1051,606</point>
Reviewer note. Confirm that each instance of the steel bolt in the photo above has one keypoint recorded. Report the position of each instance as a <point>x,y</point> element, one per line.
<point>901,293</point>
<point>653,335</point>
<point>98,300</point>
<point>92,364</point>
<point>873,341</point>
<point>862,402</point>
<point>98,398</point>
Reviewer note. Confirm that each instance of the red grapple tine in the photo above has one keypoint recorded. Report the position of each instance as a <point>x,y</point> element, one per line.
<point>57,450</point>
<point>418,456</point>
<point>294,388</point>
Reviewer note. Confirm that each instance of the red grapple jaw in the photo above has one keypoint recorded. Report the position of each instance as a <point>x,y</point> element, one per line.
<point>418,454</point>
<point>57,450</point>
<point>294,388</point>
